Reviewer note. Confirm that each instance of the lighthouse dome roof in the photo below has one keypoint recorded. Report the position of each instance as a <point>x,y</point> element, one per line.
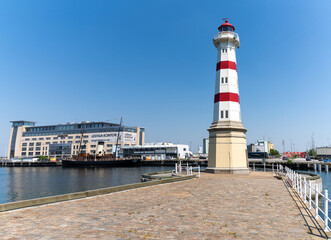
<point>225,27</point>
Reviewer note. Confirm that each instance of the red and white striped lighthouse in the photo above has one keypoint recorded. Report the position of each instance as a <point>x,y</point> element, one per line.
<point>227,135</point>
<point>226,100</point>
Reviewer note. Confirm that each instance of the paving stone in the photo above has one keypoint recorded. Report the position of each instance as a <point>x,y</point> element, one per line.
<point>254,206</point>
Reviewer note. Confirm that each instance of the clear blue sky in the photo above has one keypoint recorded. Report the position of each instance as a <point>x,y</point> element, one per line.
<point>153,62</point>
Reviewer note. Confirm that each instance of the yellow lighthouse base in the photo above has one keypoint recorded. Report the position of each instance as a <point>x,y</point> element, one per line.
<point>227,148</point>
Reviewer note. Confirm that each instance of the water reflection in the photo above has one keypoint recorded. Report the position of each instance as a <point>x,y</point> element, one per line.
<point>34,182</point>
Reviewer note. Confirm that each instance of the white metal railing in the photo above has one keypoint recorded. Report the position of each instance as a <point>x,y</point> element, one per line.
<point>266,167</point>
<point>236,36</point>
<point>186,169</point>
<point>300,184</point>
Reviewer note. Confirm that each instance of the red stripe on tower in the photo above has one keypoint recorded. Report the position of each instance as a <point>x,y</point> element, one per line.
<point>226,65</point>
<point>226,97</point>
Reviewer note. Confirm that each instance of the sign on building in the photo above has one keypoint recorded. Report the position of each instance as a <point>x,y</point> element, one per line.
<point>127,137</point>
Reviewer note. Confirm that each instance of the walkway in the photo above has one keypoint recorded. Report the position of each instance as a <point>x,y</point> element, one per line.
<point>255,206</point>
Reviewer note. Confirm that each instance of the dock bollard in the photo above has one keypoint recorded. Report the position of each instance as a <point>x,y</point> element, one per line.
<point>319,167</point>
<point>326,168</point>
<point>315,167</point>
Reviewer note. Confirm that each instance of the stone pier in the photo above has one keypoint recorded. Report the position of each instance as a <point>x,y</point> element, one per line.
<point>254,206</point>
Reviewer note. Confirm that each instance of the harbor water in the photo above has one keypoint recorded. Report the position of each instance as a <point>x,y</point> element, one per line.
<point>21,183</point>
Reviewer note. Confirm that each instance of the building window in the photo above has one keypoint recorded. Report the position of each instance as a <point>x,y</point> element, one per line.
<point>93,146</point>
<point>31,144</point>
<point>221,114</point>
<point>30,148</point>
<point>48,138</point>
<point>77,142</point>
<point>24,149</point>
<point>27,139</point>
<point>85,136</point>
<point>37,153</point>
<point>109,145</point>
<point>54,142</point>
<point>24,144</point>
<point>226,114</point>
<point>77,137</point>
<point>37,148</point>
<point>69,141</point>
<point>38,144</point>
<point>30,153</point>
<point>48,142</point>
<point>33,139</point>
<point>23,153</point>
<point>41,138</point>
<point>63,137</point>
<point>70,137</point>
<point>85,141</point>
<point>226,79</point>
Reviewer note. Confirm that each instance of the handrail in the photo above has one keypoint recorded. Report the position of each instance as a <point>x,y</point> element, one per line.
<point>299,183</point>
<point>182,169</point>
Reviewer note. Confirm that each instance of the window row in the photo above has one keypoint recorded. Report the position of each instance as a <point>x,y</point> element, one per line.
<point>225,114</point>
<point>224,79</point>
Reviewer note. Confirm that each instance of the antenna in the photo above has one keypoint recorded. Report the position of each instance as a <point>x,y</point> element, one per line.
<point>225,19</point>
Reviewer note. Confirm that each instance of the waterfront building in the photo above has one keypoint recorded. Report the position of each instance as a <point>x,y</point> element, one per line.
<point>324,152</point>
<point>260,146</point>
<point>28,140</point>
<point>157,151</point>
<point>205,146</point>
<point>227,135</point>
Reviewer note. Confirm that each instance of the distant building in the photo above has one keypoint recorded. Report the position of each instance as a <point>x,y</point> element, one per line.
<point>200,149</point>
<point>292,154</point>
<point>260,146</point>
<point>28,140</point>
<point>324,152</point>
<point>205,145</point>
<point>251,148</point>
<point>157,151</point>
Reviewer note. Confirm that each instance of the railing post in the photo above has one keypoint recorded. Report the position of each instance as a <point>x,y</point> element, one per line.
<point>277,167</point>
<point>253,166</point>
<point>316,201</point>
<point>298,182</point>
<point>263,167</point>
<point>176,168</point>
<point>301,186</point>
<point>294,180</point>
<point>315,167</point>
<point>326,168</point>
<point>326,209</point>
<point>319,167</point>
<point>309,194</point>
<point>272,167</point>
<point>305,189</point>
<point>199,170</point>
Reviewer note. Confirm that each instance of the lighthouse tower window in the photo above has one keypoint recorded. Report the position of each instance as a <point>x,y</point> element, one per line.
<point>221,114</point>
<point>226,80</point>
<point>222,80</point>
<point>226,114</point>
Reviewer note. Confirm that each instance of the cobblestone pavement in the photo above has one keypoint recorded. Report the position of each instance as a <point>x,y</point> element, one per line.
<point>254,206</point>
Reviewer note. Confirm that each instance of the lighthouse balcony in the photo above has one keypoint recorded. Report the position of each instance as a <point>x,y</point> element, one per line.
<point>221,36</point>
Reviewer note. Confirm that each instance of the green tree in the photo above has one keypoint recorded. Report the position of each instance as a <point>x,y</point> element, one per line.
<point>274,152</point>
<point>312,153</point>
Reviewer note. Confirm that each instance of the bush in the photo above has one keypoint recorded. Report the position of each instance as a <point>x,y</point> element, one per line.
<point>289,161</point>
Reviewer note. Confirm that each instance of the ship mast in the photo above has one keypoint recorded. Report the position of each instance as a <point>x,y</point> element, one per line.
<point>118,134</point>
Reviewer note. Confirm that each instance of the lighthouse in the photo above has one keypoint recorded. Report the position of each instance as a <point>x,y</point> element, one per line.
<point>227,135</point>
